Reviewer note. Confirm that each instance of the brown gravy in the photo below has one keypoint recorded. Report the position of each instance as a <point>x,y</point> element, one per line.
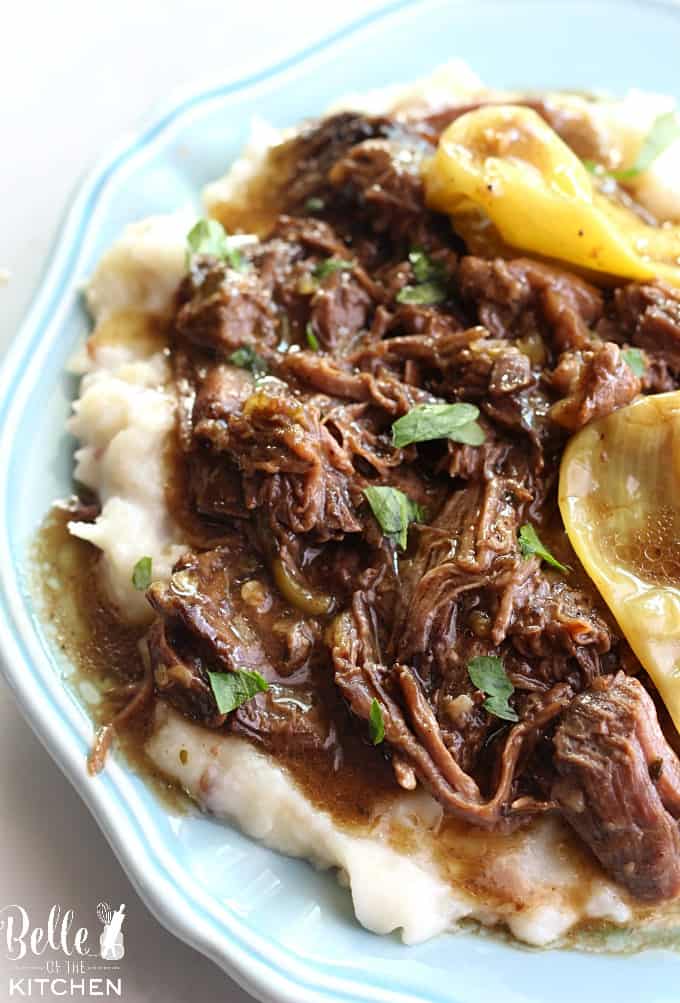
<point>100,649</point>
<point>105,652</point>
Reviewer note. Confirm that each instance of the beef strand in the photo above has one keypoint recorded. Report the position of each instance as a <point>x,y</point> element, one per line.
<point>618,784</point>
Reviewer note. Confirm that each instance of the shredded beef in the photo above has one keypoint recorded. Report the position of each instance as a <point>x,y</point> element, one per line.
<point>320,148</point>
<point>291,465</point>
<point>519,297</point>
<point>594,383</point>
<point>339,311</point>
<point>412,730</point>
<point>618,784</point>
<point>296,578</point>
<point>225,309</point>
<point>207,626</point>
<point>386,185</point>
<point>648,316</point>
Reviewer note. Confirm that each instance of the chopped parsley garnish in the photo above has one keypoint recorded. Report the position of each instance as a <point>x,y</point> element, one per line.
<point>394,511</point>
<point>425,294</point>
<point>141,574</point>
<point>439,421</point>
<point>636,360</point>
<point>489,676</point>
<point>424,268</point>
<point>376,725</point>
<point>312,339</point>
<point>231,689</point>
<point>529,543</point>
<point>314,204</point>
<point>665,130</point>
<point>324,268</point>
<point>247,358</point>
<point>209,237</point>
<point>430,277</point>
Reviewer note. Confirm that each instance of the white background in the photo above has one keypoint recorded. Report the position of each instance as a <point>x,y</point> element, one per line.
<point>75,75</point>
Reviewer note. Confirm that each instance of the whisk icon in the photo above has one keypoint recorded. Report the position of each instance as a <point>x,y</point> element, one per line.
<point>111,942</point>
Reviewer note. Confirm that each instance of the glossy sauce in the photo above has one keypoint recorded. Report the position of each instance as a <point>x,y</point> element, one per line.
<point>104,652</point>
<point>101,652</point>
<point>361,795</point>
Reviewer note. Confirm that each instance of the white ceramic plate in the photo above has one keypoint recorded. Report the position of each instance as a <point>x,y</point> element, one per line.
<point>283,930</point>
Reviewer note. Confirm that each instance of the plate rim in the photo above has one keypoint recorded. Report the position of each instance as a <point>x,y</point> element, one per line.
<point>268,972</point>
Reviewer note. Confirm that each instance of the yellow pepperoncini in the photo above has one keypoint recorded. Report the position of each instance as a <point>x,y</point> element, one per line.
<point>618,496</point>
<point>504,175</point>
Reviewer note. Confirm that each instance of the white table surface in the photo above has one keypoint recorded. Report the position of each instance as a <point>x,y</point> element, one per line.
<point>75,76</point>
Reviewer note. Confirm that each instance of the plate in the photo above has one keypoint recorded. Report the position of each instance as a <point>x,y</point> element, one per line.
<point>283,930</point>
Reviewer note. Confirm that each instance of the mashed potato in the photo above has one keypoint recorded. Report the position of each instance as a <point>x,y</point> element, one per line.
<point>390,890</point>
<point>126,408</point>
<point>123,419</point>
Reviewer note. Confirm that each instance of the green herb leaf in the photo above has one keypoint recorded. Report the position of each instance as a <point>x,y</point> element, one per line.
<point>529,544</point>
<point>314,204</point>
<point>424,268</point>
<point>376,725</point>
<point>592,166</point>
<point>141,574</point>
<point>312,339</point>
<point>324,268</point>
<point>394,511</point>
<point>247,358</point>
<point>438,421</point>
<point>665,130</point>
<point>636,360</point>
<point>489,676</point>
<point>425,294</point>
<point>209,237</point>
<point>471,434</point>
<point>231,689</point>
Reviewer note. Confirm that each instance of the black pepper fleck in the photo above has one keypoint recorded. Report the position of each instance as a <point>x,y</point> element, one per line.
<point>655,769</point>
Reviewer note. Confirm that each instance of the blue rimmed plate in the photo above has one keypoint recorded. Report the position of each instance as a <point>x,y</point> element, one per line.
<point>280,928</point>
